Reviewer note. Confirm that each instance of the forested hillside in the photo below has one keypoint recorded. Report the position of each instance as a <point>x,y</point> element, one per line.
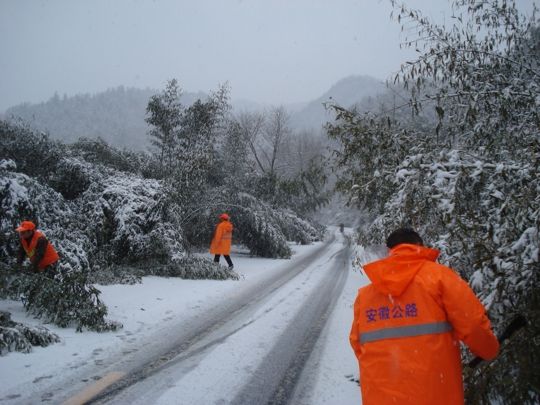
<point>462,166</point>
<point>115,115</point>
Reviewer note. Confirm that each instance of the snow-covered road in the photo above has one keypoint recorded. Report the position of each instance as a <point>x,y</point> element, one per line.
<point>264,339</point>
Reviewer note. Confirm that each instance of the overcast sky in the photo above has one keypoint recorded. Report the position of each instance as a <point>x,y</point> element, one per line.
<point>270,51</point>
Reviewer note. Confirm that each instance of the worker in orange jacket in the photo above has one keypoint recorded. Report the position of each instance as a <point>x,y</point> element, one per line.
<point>221,241</point>
<point>408,324</point>
<point>35,246</point>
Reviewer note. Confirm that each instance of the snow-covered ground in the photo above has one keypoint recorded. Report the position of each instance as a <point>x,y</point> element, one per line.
<point>147,310</point>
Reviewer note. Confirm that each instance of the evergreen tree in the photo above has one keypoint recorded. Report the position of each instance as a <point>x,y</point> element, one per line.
<point>196,151</point>
<point>164,113</point>
<point>237,168</point>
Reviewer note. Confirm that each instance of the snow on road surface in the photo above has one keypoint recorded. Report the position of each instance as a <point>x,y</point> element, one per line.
<point>203,341</point>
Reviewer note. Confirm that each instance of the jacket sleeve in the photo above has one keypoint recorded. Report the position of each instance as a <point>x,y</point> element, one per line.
<point>215,235</point>
<point>219,233</point>
<point>353,335</point>
<point>468,316</point>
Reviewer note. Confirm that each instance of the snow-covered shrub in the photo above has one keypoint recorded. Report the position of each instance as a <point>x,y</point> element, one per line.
<point>189,267</point>
<point>263,229</point>
<point>132,219</point>
<point>99,152</point>
<point>297,229</point>
<point>115,274</point>
<point>257,226</point>
<point>18,337</point>
<point>100,217</point>
<point>34,153</point>
<point>71,178</point>
<point>12,340</point>
<point>7,165</point>
<point>200,223</point>
<point>193,267</point>
<point>65,300</point>
<point>38,335</point>
<point>24,198</point>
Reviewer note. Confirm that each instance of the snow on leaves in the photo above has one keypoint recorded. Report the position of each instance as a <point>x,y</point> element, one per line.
<point>129,219</point>
<point>18,337</point>
<point>469,179</point>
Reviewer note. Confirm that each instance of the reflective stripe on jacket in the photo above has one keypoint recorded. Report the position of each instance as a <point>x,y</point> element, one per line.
<point>50,256</point>
<point>221,242</point>
<point>407,327</point>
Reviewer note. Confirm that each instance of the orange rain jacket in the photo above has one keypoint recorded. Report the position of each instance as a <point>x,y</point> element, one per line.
<point>407,326</point>
<point>221,242</point>
<point>50,255</point>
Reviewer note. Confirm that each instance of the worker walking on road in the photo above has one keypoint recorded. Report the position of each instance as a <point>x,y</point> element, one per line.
<point>221,241</point>
<point>408,324</point>
<point>35,246</point>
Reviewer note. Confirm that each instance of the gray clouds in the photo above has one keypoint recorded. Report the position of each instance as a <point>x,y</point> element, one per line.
<point>273,51</point>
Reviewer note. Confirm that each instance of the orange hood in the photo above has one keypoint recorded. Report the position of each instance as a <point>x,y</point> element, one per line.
<point>393,274</point>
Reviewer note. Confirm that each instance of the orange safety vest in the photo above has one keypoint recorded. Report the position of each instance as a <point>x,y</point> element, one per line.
<point>221,242</point>
<point>407,327</point>
<point>50,256</point>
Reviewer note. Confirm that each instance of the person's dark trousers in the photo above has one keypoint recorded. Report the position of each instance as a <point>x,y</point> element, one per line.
<point>227,258</point>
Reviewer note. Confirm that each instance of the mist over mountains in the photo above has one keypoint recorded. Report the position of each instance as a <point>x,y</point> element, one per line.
<point>346,92</point>
<point>117,115</point>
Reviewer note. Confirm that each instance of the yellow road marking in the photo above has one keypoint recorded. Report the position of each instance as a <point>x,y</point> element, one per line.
<point>94,389</point>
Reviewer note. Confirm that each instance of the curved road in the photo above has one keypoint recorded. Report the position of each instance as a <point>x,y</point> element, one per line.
<point>275,380</point>
<point>268,333</point>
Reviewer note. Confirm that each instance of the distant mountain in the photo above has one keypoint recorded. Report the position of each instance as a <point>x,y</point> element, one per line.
<point>347,92</point>
<point>116,115</point>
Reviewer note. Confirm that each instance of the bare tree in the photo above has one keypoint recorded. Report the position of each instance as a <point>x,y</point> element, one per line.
<point>302,148</point>
<point>269,138</point>
<point>276,133</point>
<point>250,125</point>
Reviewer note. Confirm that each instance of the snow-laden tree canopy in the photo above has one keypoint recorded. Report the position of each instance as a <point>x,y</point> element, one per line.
<point>117,218</point>
<point>469,180</point>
